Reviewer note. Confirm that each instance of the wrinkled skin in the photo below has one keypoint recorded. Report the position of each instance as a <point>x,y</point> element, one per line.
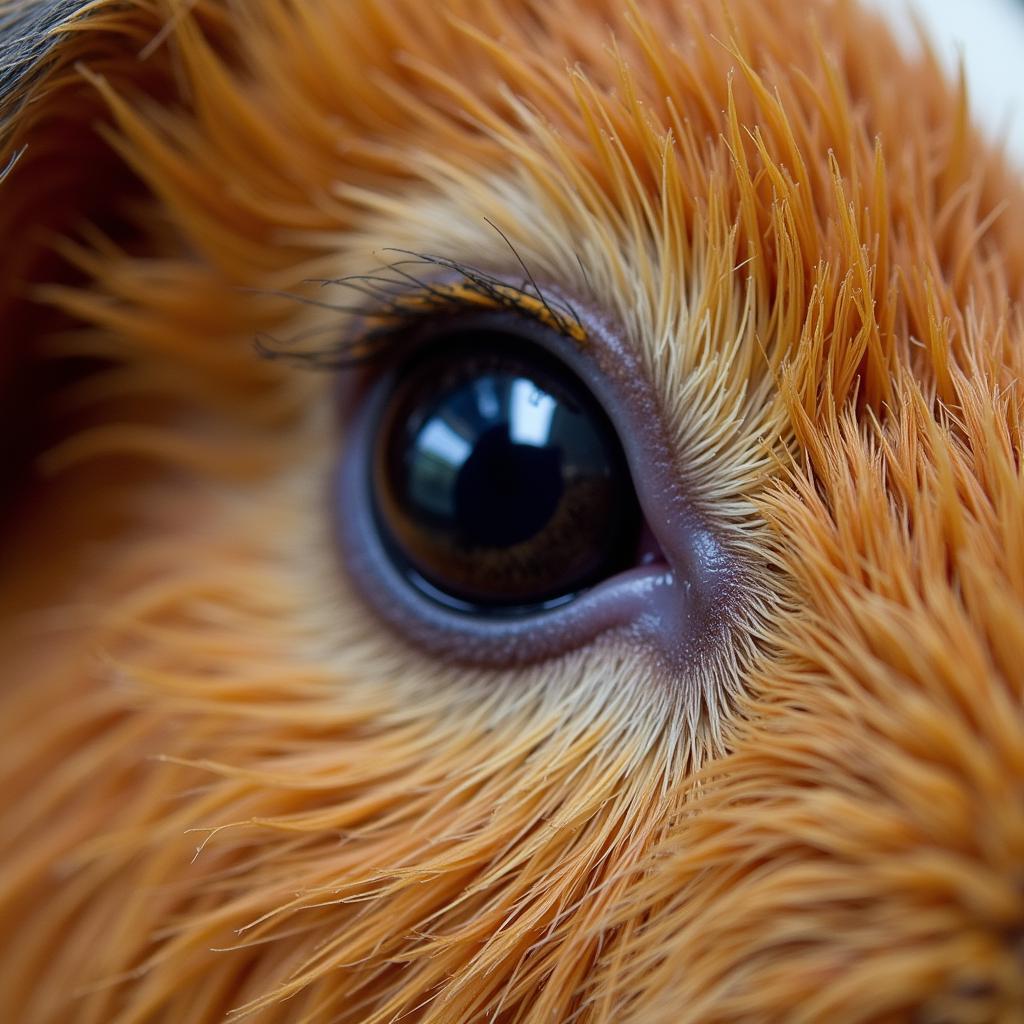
<point>230,787</point>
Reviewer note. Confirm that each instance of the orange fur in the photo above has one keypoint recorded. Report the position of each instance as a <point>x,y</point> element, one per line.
<point>229,790</point>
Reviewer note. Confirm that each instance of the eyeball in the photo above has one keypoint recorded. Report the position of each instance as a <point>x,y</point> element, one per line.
<point>499,485</point>
<point>507,494</point>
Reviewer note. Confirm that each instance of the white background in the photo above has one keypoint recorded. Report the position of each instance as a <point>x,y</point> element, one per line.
<point>990,34</point>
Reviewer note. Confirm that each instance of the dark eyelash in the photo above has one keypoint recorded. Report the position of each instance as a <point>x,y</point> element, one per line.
<point>396,298</point>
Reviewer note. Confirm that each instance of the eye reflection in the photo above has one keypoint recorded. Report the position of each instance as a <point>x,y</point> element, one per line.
<point>498,479</point>
<point>531,412</point>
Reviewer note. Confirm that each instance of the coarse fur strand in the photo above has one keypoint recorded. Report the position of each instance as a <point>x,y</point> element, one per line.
<point>228,790</point>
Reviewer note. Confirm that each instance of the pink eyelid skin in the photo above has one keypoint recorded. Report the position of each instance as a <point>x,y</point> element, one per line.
<point>673,607</point>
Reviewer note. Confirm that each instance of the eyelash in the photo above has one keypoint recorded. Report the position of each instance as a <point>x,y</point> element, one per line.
<point>397,300</point>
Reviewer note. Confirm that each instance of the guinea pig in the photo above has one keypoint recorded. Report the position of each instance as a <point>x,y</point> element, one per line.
<point>513,511</point>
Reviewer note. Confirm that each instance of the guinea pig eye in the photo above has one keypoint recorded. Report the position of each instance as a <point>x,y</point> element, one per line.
<point>498,483</point>
<point>507,493</point>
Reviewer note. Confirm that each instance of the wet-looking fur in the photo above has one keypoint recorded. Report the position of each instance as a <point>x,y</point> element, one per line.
<point>229,789</point>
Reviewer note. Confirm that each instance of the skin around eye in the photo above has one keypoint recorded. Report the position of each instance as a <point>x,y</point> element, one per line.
<point>469,580</point>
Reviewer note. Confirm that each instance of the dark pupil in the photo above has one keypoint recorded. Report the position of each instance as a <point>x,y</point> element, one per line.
<point>498,479</point>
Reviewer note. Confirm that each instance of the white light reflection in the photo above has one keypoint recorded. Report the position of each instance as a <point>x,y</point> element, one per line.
<point>439,440</point>
<point>530,414</point>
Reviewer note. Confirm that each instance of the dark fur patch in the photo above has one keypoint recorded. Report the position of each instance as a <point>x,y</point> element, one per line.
<point>26,39</point>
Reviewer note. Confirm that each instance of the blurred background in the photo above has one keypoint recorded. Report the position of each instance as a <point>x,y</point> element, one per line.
<point>990,35</point>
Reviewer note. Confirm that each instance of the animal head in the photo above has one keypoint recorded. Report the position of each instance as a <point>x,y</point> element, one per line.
<point>777,776</point>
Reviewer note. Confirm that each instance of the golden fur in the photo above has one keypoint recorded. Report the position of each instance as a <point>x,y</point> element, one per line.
<point>228,790</point>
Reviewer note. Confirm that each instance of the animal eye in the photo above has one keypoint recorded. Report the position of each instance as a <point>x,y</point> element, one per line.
<point>506,493</point>
<point>498,483</point>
